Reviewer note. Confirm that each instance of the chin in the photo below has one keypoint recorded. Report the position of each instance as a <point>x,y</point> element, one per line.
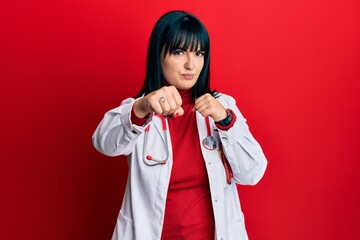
<point>185,87</point>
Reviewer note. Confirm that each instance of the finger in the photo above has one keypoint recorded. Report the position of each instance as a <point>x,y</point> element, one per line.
<point>203,101</point>
<point>172,104</point>
<point>200,108</point>
<point>205,104</point>
<point>217,112</point>
<point>160,100</point>
<point>165,100</point>
<point>206,112</point>
<point>203,96</point>
<point>164,103</point>
<point>177,97</point>
<point>174,99</point>
<point>154,104</point>
<point>179,112</point>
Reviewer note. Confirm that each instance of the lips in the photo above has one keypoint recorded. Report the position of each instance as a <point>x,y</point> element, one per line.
<point>188,76</point>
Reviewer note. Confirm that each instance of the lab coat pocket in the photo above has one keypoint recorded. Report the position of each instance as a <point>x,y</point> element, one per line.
<point>124,228</point>
<point>236,222</point>
<point>236,231</point>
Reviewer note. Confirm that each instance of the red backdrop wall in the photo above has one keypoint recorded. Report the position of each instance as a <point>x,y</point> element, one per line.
<point>293,67</point>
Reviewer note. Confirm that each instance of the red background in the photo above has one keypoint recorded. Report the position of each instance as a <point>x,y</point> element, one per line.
<point>293,67</point>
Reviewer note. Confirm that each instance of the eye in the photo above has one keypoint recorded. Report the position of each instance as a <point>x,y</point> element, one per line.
<point>178,52</point>
<point>200,53</point>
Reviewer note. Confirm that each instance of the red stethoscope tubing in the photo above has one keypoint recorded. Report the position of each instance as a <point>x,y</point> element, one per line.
<point>227,167</point>
<point>208,126</point>
<point>148,159</point>
<point>209,143</point>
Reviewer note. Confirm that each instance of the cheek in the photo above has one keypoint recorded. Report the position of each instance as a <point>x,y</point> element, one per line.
<point>164,67</point>
<point>167,66</point>
<point>201,64</point>
<point>168,71</point>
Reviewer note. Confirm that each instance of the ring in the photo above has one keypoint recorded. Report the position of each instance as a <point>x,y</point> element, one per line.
<point>162,99</point>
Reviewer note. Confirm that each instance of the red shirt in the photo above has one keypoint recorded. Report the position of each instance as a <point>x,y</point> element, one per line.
<point>188,211</point>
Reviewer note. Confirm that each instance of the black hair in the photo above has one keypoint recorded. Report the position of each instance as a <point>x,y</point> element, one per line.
<point>176,30</point>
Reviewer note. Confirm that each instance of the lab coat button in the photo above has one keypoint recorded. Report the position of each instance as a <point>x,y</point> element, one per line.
<point>224,138</point>
<point>134,132</point>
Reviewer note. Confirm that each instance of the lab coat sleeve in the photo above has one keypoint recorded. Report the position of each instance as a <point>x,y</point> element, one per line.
<point>243,152</point>
<point>116,135</point>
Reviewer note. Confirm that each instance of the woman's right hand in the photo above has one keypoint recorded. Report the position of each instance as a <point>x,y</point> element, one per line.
<point>166,101</point>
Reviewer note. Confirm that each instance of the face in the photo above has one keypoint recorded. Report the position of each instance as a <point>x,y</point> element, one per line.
<point>182,68</point>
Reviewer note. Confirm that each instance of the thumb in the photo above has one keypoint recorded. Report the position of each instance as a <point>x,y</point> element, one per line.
<point>178,112</point>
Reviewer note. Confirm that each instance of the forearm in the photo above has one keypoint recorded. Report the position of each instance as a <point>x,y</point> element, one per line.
<point>243,152</point>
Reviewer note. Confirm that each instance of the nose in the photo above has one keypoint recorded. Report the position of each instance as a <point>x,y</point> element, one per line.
<point>189,63</point>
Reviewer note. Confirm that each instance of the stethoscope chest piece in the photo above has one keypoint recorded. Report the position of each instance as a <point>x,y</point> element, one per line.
<point>210,143</point>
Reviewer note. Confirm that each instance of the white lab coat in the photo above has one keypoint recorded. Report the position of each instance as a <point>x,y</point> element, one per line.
<point>142,212</point>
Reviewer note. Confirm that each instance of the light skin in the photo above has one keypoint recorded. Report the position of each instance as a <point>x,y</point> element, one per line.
<point>181,69</point>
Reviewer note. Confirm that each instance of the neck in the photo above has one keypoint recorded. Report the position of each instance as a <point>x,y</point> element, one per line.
<point>186,95</point>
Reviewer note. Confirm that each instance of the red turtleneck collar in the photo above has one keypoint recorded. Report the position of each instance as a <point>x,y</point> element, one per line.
<point>186,96</point>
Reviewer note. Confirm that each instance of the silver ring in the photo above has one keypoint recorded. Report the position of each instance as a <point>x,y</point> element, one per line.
<point>162,99</point>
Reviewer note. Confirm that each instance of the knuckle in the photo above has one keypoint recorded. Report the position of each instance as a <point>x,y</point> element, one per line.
<point>163,90</point>
<point>172,107</point>
<point>158,111</point>
<point>166,108</point>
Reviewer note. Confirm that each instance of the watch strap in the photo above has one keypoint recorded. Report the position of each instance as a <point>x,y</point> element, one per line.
<point>227,120</point>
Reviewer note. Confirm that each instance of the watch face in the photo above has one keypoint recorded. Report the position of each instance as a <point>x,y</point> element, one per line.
<point>209,143</point>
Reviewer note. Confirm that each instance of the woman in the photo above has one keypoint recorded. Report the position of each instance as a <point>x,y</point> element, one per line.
<point>187,146</point>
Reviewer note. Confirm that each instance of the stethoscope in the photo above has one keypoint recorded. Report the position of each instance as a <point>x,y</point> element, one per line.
<point>209,142</point>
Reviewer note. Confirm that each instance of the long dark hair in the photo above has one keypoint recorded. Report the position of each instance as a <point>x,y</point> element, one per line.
<point>176,30</point>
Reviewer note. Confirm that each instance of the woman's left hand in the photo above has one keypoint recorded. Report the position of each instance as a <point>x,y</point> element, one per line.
<point>207,105</point>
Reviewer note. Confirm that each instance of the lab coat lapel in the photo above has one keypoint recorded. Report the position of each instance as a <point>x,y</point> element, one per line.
<point>202,130</point>
<point>213,163</point>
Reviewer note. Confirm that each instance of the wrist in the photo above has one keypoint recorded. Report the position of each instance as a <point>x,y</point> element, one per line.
<point>227,120</point>
<point>138,109</point>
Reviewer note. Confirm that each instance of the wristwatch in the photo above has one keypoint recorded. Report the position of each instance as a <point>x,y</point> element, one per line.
<point>226,121</point>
